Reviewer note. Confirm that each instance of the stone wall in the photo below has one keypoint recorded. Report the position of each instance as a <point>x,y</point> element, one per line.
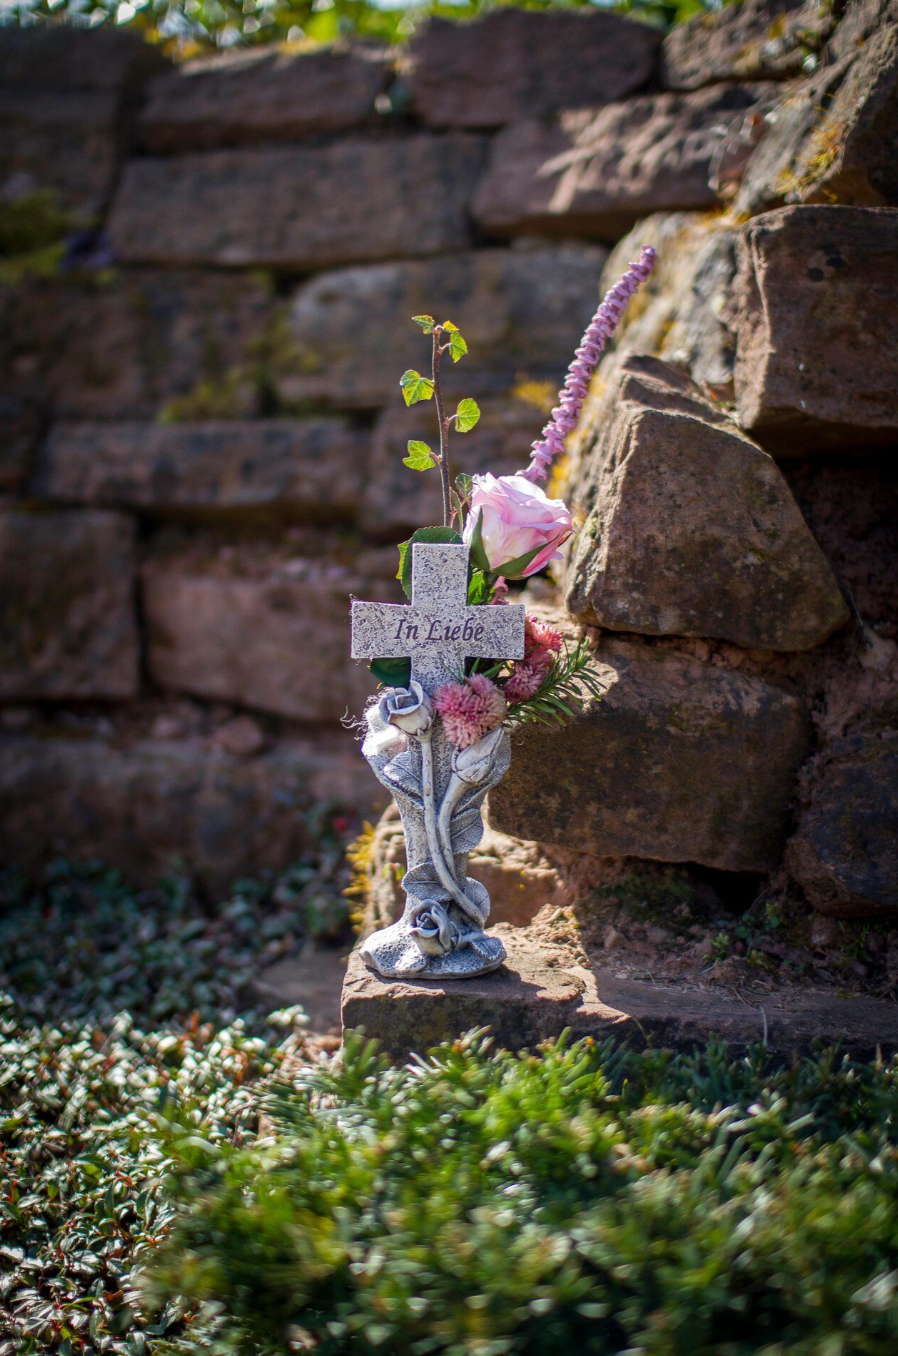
<point>201,435</point>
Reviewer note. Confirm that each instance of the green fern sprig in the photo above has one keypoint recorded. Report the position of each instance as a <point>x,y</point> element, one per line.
<point>562,690</point>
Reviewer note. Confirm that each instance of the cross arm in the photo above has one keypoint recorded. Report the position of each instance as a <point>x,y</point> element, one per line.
<point>376,630</point>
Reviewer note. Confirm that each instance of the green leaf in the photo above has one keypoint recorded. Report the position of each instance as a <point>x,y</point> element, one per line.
<point>465,484</point>
<point>392,672</point>
<point>427,534</point>
<point>420,457</point>
<point>478,555</point>
<point>457,346</point>
<point>415,387</point>
<point>466,415</point>
<point>478,588</point>
<point>449,327</point>
<point>514,569</point>
<point>426,322</point>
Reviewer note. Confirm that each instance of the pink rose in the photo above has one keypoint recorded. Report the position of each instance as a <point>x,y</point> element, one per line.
<point>517,518</point>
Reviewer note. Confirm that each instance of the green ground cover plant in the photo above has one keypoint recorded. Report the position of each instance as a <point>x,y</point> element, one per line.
<point>583,1198</point>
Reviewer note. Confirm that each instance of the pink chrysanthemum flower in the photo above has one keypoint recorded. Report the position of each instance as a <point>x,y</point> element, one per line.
<point>539,635</point>
<point>571,396</point>
<point>470,709</point>
<point>528,676</point>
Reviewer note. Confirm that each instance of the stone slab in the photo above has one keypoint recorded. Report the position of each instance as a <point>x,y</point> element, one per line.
<point>296,469</point>
<point>349,337</point>
<point>679,761</point>
<point>263,95</point>
<point>268,633</point>
<point>817,329</point>
<point>64,142</point>
<point>754,40</point>
<point>312,979</point>
<point>693,529</point>
<point>129,348</point>
<point>151,805</point>
<point>543,990</point>
<point>595,175</point>
<point>68,626</point>
<point>298,208</point>
<point>513,64</point>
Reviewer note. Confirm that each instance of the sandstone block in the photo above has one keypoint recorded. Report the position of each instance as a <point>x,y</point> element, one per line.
<point>127,350</point>
<point>517,876</point>
<point>826,139</point>
<point>268,633</point>
<point>845,852</point>
<point>513,64</point>
<point>860,20</point>
<point>679,761</point>
<point>67,624</point>
<point>754,40</point>
<point>67,58</point>
<point>65,143</point>
<point>395,501</point>
<point>19,432</point>
<point>817,328</point>
<point>544,989</point>
<point>349,201</point>
<point>289,468</point>
<point>261,95</point>
<point>597,174</point>
<point>694,531</point>
<point>149,806</point>
<point>522,312</point>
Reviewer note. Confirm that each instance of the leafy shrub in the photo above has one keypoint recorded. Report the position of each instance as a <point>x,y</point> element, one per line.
<point>582,1199</point>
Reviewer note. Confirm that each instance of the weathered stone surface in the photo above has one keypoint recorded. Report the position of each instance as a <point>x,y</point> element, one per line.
<point>754,40</point>
<point>150,806</point>
<point>125,351</point>
<point>845,852</point>
<point>827,136</point>
<point>349,201</point>
<point>597,174</point>
<point>269,633</point>
<point>517,876</point>
<point>521,311</point>
<point>512,65</point>
<point>66,58</point>
<point>679,761</point>
<point>262,95</point>
<point>543,990</point>
<point>694,532</point>
<point>396,502</point>
<point>65,142</point>
<point>67,624</point>
<point>290,468</point>
<point>20,426</point>
<point>817,328</point>
<point>861,19</point>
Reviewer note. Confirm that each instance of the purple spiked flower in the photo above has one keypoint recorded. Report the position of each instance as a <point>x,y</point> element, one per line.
<point>572,394</point>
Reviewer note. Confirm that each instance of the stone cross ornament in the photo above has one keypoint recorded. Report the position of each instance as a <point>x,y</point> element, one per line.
<point>438,788</point>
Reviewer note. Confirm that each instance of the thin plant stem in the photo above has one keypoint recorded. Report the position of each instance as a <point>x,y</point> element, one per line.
<point>443,460</point>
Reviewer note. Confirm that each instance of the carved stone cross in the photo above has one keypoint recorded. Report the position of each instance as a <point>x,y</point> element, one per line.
<point>439,631</point>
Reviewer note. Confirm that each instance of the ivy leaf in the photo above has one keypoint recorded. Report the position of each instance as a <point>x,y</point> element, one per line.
<point>449,327</point>
<point>479,558</point>
<point>464,484</point>
<point>392,672</point>
<point>466,415</point>
<point>459,508</point>
<point>428,534</point>
<point>457,346</point>
<point>426,322</point>
<point>420,457</point>
<point>415,387</point>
